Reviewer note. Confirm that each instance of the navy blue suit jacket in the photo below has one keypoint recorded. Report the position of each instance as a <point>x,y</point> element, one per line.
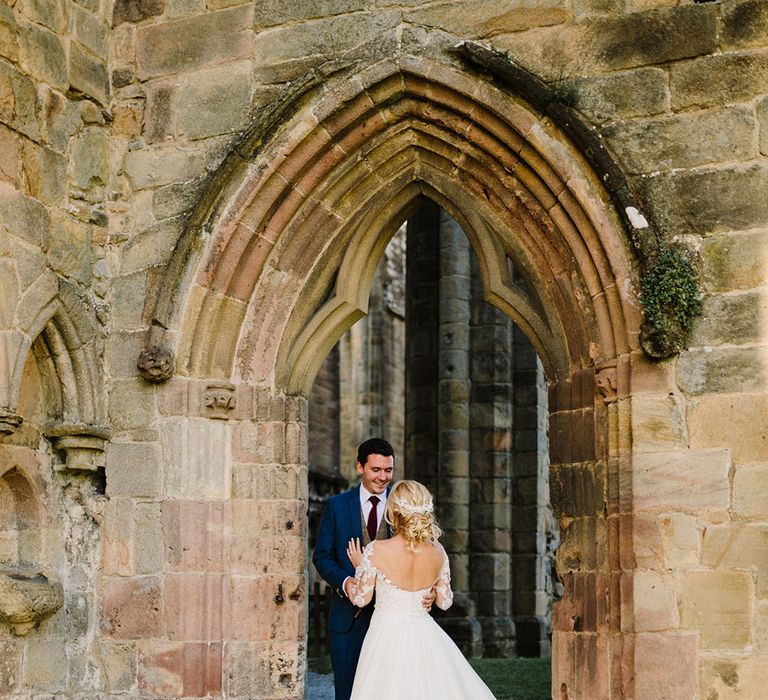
<point>340,522</point>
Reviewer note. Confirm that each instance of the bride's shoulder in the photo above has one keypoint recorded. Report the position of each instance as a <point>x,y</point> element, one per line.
<point>367,559</point>
<point>434,551</point>
<point>436,547</point>
<point>378,547</point>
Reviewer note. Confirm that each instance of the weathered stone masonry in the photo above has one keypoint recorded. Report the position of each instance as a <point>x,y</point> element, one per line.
<point>216,180</point>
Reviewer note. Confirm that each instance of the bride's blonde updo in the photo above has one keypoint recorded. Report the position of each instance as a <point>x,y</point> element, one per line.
<point>411,512</point>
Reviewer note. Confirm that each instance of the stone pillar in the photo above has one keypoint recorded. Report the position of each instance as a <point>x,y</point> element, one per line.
<point>83,446</point>
<point>349,392</point>
<point>453,425</point>
<point>491,469</point>
<point>597,593</point>
<point>453,394</point>
<point>421,363</point>
<point>323,443</point>
<point>392,273</point>
<point>372,399</point>
<point>535,533</point>
<point>323,448</point>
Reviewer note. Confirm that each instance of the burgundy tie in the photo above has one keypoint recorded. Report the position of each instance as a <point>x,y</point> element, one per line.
<point>372,524</point>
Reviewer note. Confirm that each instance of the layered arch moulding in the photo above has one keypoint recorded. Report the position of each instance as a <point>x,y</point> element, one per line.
<point>305,218</point>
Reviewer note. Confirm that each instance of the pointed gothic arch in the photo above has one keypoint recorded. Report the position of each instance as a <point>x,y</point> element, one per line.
<point>58,327</point>
<point>397,132</point>
<point>279,260</point>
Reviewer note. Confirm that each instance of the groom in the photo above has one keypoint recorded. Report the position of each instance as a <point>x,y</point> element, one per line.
<point>357,513</point>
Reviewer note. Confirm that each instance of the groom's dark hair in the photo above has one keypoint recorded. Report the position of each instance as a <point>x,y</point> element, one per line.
<point>374,446</point>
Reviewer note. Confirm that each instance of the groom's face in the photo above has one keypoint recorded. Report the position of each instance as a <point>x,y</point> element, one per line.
<point>377,472</point>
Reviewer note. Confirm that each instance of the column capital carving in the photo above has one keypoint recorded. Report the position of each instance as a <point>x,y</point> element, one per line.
<point>220,400</point>
<point>9,421</point>
<point>83,446</point>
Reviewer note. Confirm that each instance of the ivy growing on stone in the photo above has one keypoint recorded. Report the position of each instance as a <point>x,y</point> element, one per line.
<point>671,299</point>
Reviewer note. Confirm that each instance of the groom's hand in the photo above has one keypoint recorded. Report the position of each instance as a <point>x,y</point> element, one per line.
<point>428,599</point>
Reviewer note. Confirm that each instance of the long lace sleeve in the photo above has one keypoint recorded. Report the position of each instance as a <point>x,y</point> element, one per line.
<point>443,592</point>
<point>365,579</point>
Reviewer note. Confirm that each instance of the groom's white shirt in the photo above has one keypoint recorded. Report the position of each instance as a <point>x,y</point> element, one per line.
<point>365,506</point>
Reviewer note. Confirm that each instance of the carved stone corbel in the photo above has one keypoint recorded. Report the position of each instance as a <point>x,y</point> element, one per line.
<point>156,363</point>
<point>9,421</point>
<point>82,445</point>
<point>26,600</point>
<point>220,400</point>
<point>606,379</point>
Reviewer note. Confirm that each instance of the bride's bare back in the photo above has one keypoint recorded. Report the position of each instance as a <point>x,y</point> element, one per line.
<point>411,570</point>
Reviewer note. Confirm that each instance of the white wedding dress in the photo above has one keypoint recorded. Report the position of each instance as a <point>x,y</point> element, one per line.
<point>406,655</point>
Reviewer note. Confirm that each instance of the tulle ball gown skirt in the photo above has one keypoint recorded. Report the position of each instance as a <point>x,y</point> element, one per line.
<point>407,656</point>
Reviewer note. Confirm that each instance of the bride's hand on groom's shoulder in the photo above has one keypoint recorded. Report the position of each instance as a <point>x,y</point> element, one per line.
<point>354,552</point>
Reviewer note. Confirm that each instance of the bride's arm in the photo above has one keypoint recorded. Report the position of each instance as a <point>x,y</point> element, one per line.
<point>443,592</point>
<point>365,580</point>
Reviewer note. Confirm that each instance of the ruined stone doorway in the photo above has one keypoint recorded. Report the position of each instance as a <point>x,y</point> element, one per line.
<point>286,266</point>
<point>461,394</point>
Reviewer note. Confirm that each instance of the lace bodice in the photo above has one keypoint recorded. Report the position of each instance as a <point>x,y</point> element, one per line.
<point>390,598</point>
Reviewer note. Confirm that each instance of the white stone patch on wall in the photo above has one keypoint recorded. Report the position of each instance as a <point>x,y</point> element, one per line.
<point>197,458</point>
<point>636,218</point>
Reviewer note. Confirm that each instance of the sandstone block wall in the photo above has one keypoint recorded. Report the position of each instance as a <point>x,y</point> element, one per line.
<point>173,515</point>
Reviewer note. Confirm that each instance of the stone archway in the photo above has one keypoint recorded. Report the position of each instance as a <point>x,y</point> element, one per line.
<point>51,500</point>
<point>53,318</point>
<point>280,261</point>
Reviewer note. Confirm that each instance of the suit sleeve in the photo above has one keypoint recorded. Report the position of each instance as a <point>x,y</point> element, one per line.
<point>324,556</point>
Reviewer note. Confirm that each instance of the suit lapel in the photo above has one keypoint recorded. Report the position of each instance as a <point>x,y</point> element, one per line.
<point>354,513</point>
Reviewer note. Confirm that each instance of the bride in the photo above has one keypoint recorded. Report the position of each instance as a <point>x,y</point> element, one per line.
<point>406,655</point>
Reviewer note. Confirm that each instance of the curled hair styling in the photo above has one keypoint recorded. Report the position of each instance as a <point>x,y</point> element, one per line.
<point>410,511</point>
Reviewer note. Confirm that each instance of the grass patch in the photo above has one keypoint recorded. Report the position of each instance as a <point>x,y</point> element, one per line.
<point>508,679</point>
<point>516,679</point>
